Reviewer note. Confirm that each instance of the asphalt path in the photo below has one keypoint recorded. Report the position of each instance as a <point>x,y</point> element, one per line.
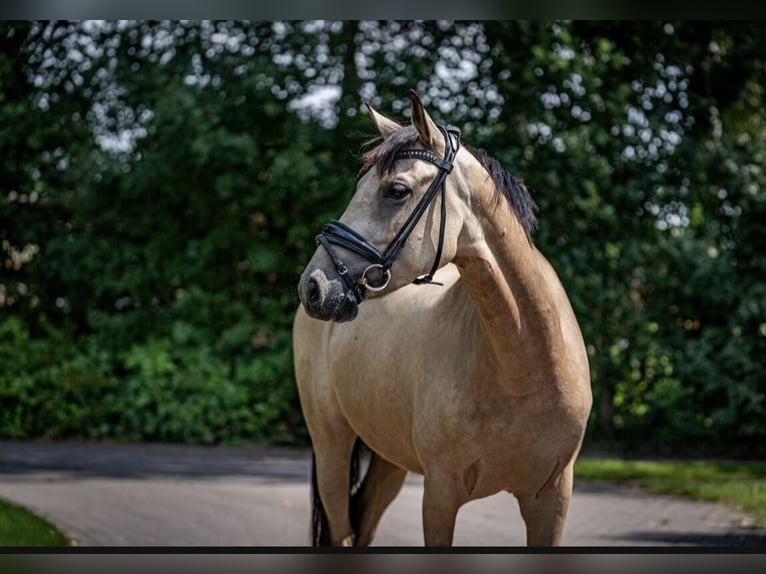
<point>169,495</point>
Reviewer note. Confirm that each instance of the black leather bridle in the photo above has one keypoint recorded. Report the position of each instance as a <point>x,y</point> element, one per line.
<point>340,234</point>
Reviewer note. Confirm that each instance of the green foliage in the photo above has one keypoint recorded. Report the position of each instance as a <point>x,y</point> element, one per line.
<point>177,393</point>
<point>147,289</point>
<point>175,389</point>
<point>41,389</point>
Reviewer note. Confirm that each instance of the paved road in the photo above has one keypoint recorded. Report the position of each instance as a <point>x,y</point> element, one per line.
<point>166,495</point>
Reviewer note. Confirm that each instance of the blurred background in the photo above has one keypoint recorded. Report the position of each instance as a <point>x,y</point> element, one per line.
<point>161,184</point>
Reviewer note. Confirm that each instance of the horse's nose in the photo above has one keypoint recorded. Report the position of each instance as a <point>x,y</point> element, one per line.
<point>325,299</point>
<point>313,292</point>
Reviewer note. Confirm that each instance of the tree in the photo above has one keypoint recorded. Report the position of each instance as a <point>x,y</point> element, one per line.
<point>163,183</point>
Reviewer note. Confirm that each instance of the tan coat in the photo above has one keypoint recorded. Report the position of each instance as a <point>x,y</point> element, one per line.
<point>481,385</point>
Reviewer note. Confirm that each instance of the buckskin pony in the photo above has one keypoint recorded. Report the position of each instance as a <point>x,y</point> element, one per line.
<point>433,330</point>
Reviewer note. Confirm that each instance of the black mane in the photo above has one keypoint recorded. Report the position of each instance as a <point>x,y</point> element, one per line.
<point>510,187</point>
<point>383,157</point>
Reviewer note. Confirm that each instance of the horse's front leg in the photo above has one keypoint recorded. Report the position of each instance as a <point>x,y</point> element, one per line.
<point>545,512</point>
<point>443,495</point>
<point>333,464</point>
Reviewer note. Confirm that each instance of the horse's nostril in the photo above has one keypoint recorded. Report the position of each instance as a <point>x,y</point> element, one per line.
<point>313,291</point>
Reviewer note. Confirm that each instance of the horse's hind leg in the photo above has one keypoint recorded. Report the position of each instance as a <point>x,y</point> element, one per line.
<point>545,512</point>
<point>382,483</point>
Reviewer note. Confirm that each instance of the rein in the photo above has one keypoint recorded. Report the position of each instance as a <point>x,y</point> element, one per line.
<point>341,235</point>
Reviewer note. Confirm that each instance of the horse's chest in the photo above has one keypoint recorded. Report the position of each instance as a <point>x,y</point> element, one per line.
<point>380,410</point>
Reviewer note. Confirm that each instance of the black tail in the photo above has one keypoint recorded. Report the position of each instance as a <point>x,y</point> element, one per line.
<point>320,530</point>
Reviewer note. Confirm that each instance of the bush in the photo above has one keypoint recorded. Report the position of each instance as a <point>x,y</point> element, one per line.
<point>165,389</point>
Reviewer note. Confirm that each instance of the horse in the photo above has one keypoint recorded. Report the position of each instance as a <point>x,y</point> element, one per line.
<point>433,331</point>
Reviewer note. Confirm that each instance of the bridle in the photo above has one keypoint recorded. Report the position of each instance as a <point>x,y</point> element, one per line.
<point>340,234</point>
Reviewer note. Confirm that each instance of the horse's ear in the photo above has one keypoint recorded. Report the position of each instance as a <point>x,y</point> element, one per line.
<point>429,134</point>
<point>385,126</point>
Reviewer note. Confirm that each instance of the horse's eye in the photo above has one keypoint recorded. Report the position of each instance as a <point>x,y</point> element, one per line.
<point>397,192</point>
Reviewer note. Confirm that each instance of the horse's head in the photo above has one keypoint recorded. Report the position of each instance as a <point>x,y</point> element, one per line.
<point>401,224</point>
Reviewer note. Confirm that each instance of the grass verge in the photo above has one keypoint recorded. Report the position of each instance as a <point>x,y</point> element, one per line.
<point>739,484</point>
<point>19,527</point>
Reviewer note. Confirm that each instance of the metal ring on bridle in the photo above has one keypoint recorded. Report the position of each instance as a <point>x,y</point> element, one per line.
<point>366,284</point>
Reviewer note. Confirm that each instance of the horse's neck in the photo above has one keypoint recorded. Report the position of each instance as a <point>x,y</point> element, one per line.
<point>514,290</point>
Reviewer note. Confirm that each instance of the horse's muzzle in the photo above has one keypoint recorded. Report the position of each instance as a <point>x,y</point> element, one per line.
<point>326,299</point>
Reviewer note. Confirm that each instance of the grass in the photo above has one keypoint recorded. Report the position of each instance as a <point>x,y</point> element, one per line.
<point>739,484</point>
<point>19,527</point>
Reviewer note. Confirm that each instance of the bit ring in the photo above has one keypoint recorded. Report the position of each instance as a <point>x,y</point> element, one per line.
<point>366,284</point>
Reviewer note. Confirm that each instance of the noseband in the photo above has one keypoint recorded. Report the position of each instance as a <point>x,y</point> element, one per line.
<point>340,234</point>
